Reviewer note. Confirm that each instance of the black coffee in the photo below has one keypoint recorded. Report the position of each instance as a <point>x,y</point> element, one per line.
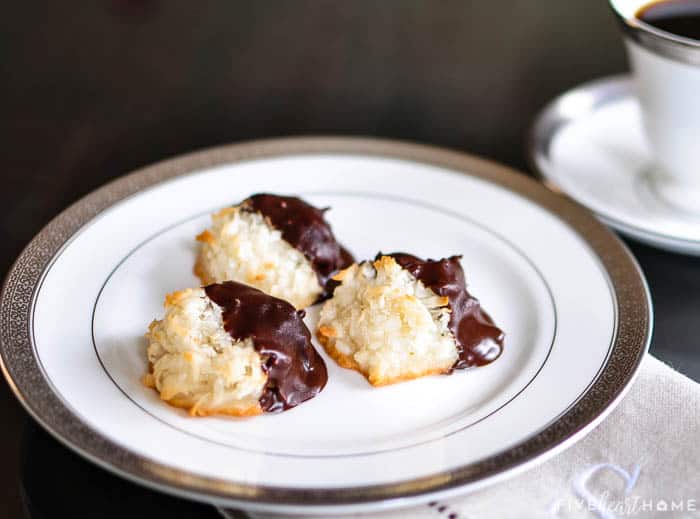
<point>679,17</point>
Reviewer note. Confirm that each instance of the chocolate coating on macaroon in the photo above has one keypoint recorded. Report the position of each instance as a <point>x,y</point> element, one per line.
<point>296,372</point>
<point>304,228</point>
<point>479,340</point>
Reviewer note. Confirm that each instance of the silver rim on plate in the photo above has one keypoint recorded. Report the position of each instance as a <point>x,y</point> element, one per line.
<point>25,377</point>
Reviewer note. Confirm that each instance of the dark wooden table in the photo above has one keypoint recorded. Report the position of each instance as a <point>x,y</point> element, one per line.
<point>92,90</point>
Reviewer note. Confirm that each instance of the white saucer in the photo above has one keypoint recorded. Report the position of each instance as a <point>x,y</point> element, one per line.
<point>589,143</point>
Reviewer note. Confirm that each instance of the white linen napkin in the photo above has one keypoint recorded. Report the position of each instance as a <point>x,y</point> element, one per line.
<point>642,461</point>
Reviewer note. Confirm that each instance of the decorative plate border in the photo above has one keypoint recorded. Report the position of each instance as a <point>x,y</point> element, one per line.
<point>22,371</point>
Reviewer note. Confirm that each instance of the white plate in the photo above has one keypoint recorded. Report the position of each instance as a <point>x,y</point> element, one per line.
<point>570,298</point>
<point>590,144</point>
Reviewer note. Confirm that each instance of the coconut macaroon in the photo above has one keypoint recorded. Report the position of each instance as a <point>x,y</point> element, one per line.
<point>400,317</point>
<point>281,245</point>
<point>231,349</point>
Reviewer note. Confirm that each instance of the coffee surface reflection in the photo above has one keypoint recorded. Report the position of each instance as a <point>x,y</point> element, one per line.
<point>679,17</point>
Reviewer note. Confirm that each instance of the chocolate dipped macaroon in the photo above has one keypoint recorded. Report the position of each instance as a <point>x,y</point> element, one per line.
<point>400,317</point>
<point>231,349</point>
<point>279,244</point>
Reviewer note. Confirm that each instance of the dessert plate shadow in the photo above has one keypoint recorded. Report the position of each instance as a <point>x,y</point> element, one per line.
<point>570,297</point>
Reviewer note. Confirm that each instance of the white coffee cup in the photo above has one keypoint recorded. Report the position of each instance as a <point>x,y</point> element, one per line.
<point>666,68</point>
